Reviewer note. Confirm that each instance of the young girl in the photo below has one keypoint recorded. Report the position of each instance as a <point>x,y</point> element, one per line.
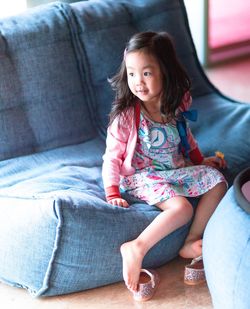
<point>145,155</point>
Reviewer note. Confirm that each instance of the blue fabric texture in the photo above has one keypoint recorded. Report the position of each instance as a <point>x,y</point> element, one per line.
<point>58,234</point>
<point>227,254</point>
<point>41,82</point>
<point>58,198</point>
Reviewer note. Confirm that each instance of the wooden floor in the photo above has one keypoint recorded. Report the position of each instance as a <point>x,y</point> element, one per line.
<point>233,80</point>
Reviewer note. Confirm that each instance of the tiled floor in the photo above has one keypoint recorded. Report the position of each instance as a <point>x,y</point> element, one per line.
<point>233,80</point>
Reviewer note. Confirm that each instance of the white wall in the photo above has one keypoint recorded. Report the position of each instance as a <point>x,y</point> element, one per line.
<point>11,7</point>
<point>197,16</point>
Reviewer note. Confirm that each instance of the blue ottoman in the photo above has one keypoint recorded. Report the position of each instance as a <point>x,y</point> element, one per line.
<point>226,249</point>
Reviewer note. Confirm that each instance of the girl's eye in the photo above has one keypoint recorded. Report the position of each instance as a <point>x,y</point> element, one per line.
<point>147,73</point>
<point>130,74</point>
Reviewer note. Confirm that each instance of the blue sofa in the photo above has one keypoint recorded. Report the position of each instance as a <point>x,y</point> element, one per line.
<point>58,234</point>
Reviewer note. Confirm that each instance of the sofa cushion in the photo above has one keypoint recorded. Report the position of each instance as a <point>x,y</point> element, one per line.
<point>58,234</point>
<point>41,94</point>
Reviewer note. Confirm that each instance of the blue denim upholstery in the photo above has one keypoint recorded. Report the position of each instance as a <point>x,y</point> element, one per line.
<point>61,236</point>
<point>58,235</point>
<point>227,255</point>
<point>42,97</point>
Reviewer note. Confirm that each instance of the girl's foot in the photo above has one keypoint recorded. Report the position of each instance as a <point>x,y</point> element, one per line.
<point>132,257</point>
<point>191,249</point>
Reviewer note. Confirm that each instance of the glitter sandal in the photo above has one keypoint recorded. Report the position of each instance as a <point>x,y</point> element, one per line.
<point>148,282</point>
<point>194,272</point>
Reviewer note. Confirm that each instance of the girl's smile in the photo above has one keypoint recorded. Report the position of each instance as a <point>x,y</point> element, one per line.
<point>142,92</point>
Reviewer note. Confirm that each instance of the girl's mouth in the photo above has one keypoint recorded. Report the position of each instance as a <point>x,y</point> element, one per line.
<point>142,92</point>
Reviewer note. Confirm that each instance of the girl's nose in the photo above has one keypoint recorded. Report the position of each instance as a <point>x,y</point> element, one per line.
<point>139,80</point>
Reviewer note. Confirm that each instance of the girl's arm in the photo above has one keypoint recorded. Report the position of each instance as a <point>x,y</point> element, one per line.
<point>116,143</point>
<point>112,160</point>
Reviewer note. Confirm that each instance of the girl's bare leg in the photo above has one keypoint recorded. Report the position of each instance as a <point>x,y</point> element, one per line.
<point>209,201</point>
<point>177,211</point>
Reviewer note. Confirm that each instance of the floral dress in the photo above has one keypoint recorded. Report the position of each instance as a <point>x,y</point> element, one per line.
<point>161,171</point>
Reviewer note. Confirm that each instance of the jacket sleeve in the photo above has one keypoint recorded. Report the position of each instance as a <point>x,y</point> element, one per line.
<point>116,143</point>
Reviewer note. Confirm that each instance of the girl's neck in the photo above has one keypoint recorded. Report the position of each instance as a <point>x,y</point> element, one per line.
<point>152,107</point>
<point>153,113</point>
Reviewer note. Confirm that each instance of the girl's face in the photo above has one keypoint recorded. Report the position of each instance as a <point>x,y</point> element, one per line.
<point>144,77</point>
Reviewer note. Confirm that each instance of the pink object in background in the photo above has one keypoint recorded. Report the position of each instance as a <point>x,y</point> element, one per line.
<point>228,22</point>
<point>246,190</point>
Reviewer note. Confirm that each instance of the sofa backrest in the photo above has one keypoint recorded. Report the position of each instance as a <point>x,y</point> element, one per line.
<point>55,61</point>
<point>42,98</point>
<point>105,26</point>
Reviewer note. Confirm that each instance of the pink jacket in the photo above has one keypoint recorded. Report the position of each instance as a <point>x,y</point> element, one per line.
<point>120,146</point>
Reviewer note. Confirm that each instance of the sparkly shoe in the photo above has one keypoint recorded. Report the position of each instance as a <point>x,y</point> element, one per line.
<point>194,272</point>
<point>148,282</point>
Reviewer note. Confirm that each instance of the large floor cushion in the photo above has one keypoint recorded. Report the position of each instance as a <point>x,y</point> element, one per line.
<point>58,234</point>
<point>227,255</point>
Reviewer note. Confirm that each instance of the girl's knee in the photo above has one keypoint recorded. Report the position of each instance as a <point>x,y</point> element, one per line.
<point>221,188</point>
<point>188,208</point>
<point>185,208</point>
<point>180,205</point>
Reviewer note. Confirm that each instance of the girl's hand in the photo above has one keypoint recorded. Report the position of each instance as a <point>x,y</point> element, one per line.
<point>119,202</point>
<point>215,161</point>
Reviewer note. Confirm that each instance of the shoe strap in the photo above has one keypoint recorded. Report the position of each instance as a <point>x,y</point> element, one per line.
<point>150,275</point>
<point>197,259</point>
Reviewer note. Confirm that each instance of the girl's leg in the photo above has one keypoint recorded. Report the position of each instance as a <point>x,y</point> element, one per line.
<point>209,201</point>
<point>177,211</point>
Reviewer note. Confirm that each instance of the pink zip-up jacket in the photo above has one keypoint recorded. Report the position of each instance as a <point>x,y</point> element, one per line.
<point>120,147</point>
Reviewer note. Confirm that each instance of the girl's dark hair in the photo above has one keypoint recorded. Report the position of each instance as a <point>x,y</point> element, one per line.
<point>175,79</point>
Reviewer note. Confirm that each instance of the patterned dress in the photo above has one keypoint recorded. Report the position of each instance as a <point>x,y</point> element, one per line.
<point>161,169</point>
